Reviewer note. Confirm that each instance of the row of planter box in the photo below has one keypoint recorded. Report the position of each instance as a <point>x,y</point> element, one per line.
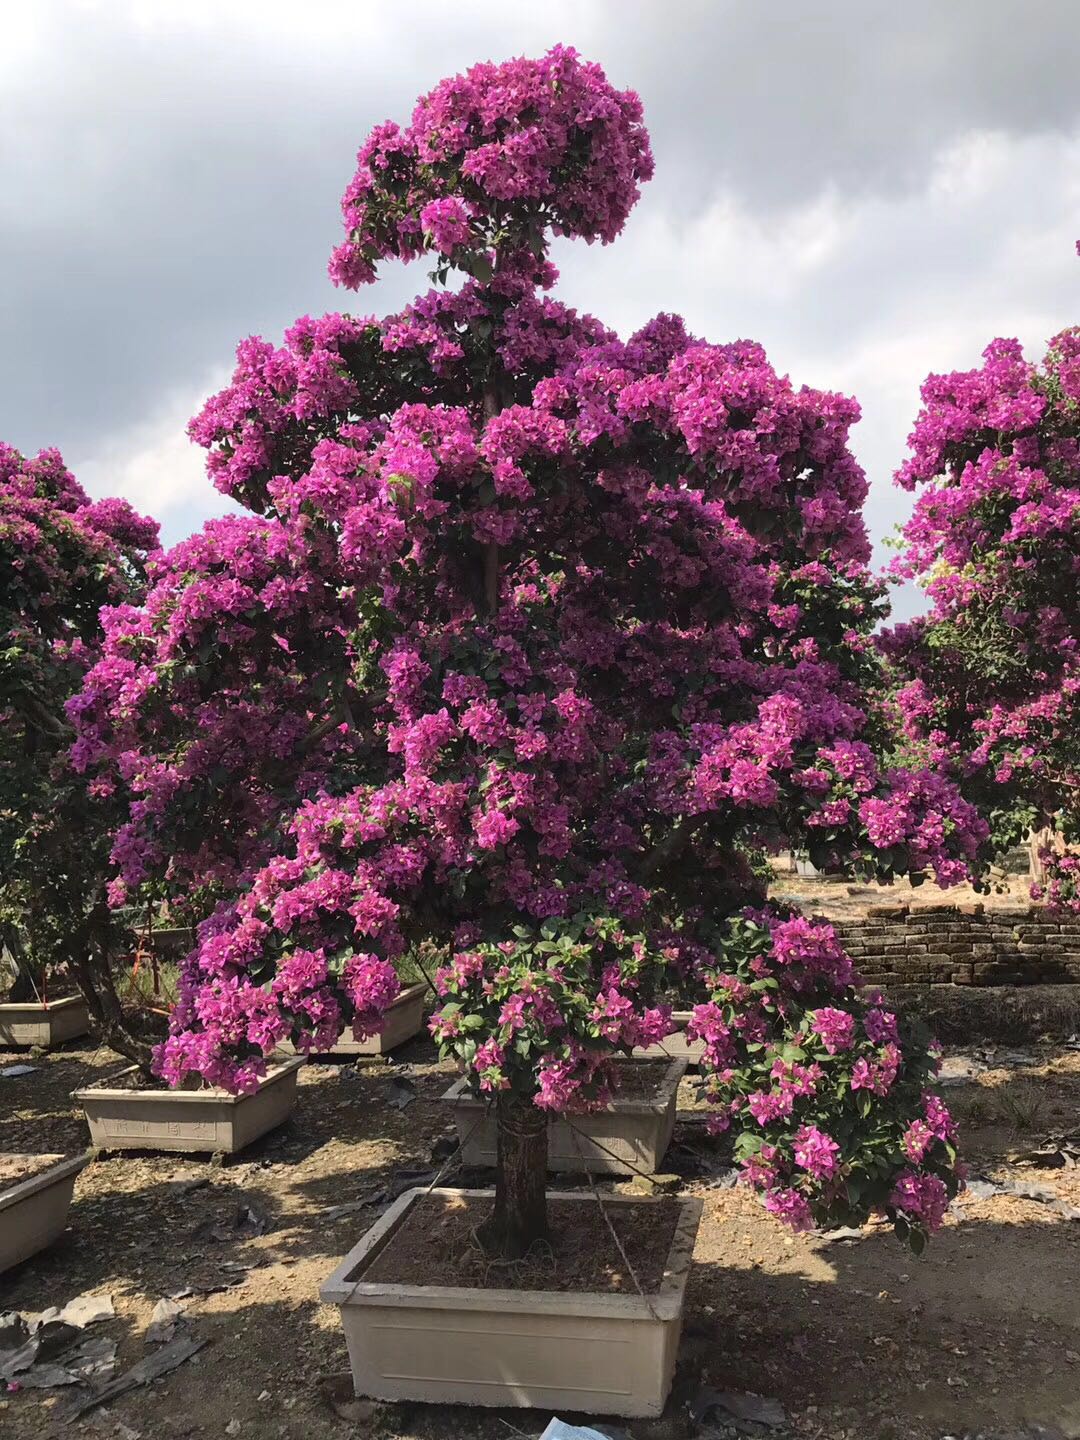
<point>51,1023</point>
<point>627,1136</point>
<point>55,1022</point>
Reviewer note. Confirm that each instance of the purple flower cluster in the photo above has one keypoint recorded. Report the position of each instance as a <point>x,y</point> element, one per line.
<point>989,681</point>
<point>502,151</point>
<point>532,635</point>
<point>826,1100</point>
<point>63,558</point>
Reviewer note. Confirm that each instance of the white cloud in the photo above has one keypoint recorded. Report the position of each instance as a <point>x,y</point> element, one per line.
<point>872,194</point>
<point>865,294</point>
<point>157,468</point>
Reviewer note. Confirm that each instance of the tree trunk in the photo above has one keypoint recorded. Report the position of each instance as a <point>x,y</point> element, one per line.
<point>23,988</point>
<point>520,1216</point>
<point>91,968</point>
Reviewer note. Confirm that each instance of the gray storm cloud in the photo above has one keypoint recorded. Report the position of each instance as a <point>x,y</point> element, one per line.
<point>873,191</point>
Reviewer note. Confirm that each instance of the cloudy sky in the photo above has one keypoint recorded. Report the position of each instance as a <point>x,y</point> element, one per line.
<point>872,190</point>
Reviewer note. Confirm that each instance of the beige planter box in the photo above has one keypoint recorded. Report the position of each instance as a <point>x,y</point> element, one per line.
<point>188,1121</point>
<point>34,1212</point>
<point>404,1019</point>
<point>678,1045</point>
<point>625,1137</point>
<point>596,1353</point>
<point>44,1025</point>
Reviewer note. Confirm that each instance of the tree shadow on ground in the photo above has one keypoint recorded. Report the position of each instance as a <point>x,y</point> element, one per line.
<point>37,1113</point>
<point>975,1337</point>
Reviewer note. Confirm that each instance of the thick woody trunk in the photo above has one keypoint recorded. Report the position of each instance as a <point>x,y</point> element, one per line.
<point>95,985</point>
<point>519,1219</point>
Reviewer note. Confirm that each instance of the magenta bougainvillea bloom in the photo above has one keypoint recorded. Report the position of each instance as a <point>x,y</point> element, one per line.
<point>520,147</point>
<point>533,638</point>
<point>990,678</point>
<point>62,557</point>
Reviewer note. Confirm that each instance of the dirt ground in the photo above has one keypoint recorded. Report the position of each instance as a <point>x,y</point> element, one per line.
<point>856,1338</point>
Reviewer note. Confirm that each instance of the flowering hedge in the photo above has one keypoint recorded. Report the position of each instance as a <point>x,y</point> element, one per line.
<point>989,679</point>
<point>532,638</point>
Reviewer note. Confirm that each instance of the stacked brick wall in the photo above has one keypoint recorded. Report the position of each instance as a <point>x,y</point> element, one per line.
<point>946,945</point>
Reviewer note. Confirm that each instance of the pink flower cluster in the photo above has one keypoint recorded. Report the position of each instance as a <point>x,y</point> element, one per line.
<point>555,1006</point>
<point>63,559</point>
<point>825,1100</point>
<point>534,633</point>
<point>989,681</point>
<point>513,148</point>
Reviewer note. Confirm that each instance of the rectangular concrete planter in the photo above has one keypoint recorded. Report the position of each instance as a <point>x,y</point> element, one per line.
<point>598,1353</point>
<point>188,1121</point>
<point>404,1019</point>
<point>34,1212</point>
<point>44,1024</point>
<point>677,1045</point>
<point>623,1138</point>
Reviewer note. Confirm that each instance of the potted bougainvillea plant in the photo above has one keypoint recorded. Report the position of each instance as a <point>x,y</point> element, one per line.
<point>62,557</point>
<point>531,639</point>
<point>989,679</point>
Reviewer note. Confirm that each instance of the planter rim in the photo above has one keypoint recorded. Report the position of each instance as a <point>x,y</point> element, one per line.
<point>663,1304</point>
<point>104,1090</point>
<point>458,1094</point>
<point>25,1188</point>
<point>42,1006</point>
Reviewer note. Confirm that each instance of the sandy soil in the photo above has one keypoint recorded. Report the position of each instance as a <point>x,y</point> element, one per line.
<point>14,1169</point>
<point>855,1338</point>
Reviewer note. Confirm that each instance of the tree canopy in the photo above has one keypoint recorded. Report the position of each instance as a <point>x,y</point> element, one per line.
<point>533,641</point>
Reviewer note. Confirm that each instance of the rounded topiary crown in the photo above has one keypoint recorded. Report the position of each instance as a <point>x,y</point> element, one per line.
<point>493,160</point>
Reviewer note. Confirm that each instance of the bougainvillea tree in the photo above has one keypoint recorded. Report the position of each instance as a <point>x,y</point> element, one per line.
<point>990,677</point>
<point>62,557</point>
<point>532,638</point>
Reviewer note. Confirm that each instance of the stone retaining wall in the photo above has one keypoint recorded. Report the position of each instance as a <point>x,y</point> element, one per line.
<point>966,945</point>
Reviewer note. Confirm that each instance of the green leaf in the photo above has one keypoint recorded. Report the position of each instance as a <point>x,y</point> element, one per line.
<point>480,268</point>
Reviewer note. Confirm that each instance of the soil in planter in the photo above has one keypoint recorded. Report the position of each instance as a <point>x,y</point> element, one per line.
<point>137,1080</point>
<point>14,1169</point>
<point>436,1245</point>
